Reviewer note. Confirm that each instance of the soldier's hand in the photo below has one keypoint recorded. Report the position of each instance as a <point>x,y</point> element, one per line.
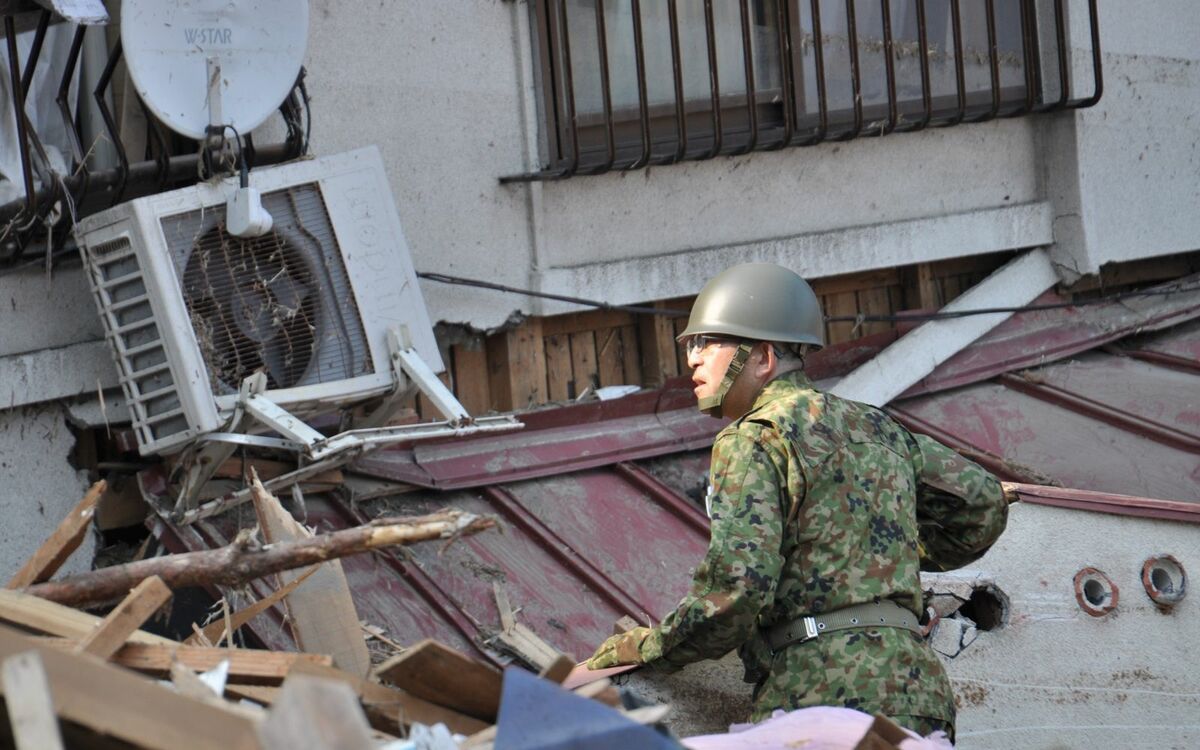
<point>620,649</point>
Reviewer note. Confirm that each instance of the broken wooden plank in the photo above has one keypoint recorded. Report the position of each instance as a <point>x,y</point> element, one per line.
<point>315,713</point>
<point>518,638</point>
<point>246,665</point>
<point>215,631</point>
<point>48,558</point>
<point>112,632</point>
<point>113,701</point>
<point>29,704</point>
<point>321,612</point>
<point>34,613</point>
<point>389,707</point>
<point>437,673</point>
<point>243,560</point>
<point>558,670</point>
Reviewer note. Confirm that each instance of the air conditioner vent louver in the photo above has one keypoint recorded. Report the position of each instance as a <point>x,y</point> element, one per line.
<point>121,292</point>
<point>280,303</point>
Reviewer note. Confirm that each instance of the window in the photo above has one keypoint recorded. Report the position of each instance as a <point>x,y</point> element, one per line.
<point>629,83</point>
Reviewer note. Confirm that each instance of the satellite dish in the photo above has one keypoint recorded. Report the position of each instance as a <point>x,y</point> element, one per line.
<point>257,47</point>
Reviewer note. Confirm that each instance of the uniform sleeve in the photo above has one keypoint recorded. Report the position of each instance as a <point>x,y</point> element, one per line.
<point>961,510</point>
<point>737,578</point>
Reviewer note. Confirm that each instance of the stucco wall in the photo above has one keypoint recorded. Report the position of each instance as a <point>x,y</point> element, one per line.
<point>447,91</point>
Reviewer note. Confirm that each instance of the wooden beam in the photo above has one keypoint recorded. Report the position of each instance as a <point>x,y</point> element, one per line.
<point>517,367</point>
<point>34,613</point>
<point>321,612</point>
<point>388,707</point>
<point>583,360</point>
<point>253,666</point>
<point>586,321</point>
<point>631,356</point>
<point>656,340</point>
<point>559,379</point>
<point>112,632</point>
<point>929,294</point>
<point>471,376</point>
<point>28,702</point>
<point>438,673</point>
<point>609,357</point>
<point>113,701</point>
<point>65,540</point>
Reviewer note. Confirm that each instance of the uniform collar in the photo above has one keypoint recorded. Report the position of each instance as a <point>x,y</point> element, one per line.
<point>781,386</point>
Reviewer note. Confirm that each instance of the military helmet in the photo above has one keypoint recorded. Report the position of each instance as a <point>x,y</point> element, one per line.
<point>760,302</point>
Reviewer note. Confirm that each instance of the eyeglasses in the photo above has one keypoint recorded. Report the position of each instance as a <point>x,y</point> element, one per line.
<point>697,343</point>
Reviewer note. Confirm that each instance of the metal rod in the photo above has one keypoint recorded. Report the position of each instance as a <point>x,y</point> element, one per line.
<point>64,94</point>
<point>35,50</point>
<point>786,76</point>
<point>605,89</point>
<point>18,96</point>
<point>110,124</point>
<point>993,63</point>
<point>677,72</point>
<point>822,130</point>
<point>748,65</point>
<point>639,54</point>
<point>889,66</point>
<point>926,86</point>
<point>1097,70</point>
<point>855,73</point>
<point>569,93</point>
<point>960,76</point>
<point>714,79</point>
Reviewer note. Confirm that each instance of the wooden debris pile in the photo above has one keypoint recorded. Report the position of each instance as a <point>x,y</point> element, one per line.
<point>74,679</point>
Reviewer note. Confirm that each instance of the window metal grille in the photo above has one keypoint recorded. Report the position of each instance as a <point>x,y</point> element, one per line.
<point>627,84</point>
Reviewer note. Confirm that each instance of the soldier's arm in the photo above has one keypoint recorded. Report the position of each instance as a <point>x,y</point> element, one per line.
<point>738,575</point>
<point>961,508</point>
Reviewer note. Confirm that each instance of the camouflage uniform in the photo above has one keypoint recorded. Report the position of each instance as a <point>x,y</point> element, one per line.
<point>813,509</point>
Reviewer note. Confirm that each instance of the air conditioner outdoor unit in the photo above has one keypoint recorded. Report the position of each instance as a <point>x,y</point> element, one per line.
<point>192,311</point>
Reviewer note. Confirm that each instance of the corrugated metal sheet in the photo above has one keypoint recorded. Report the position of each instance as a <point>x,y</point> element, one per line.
<point>600,502</point>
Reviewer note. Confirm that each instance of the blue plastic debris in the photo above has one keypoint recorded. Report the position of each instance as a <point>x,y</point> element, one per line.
<point>537,714</point>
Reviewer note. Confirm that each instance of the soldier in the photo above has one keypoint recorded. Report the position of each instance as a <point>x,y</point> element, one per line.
<point>823,510</point>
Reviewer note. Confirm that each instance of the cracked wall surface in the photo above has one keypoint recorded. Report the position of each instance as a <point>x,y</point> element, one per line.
<point>39,485</point>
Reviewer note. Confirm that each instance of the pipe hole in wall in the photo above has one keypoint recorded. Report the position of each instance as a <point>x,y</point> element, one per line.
<point>1165,580</point>
<point>988,608</point>
<point>1095,592</point>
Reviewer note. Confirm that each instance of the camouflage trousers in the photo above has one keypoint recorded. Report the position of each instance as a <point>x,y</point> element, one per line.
<point>887,671</point>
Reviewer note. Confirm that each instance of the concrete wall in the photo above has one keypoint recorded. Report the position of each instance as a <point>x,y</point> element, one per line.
<point>448,93</point>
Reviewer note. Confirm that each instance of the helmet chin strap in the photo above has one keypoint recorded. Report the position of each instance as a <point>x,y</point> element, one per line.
<point>712,404</point>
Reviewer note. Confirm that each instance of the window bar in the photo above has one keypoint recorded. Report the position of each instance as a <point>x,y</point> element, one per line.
<point>713,78</point>
<point>855,74</point>
<point>1028,51</point>
<point>18,95</point>
<point>1064,74</point>
<point>822,129</point>
<point>926,93</point>
<point>639,53</point>
<point>786,80</point>
<point>35,50</point>
<point>748,64</point>
<point>568,93</point>
<point>64,107</point>
<point>960,76</point>
<point>889,65</point>
<point>677,71</point>
<point>993,63</point>
<point>1097,73</point>
<point>110,124</point>
<point>605,90</point>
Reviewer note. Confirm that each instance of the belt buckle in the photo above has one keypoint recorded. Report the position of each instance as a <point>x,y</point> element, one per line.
<point>810,629</point>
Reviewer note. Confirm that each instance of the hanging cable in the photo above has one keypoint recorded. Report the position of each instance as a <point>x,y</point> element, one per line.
<point>909,317</point>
